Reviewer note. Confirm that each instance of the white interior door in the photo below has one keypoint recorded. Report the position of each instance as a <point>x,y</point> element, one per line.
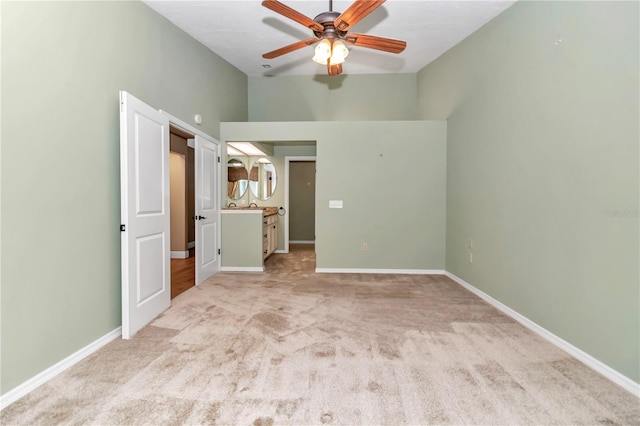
<point>207,209</point>
<point>144,186</point>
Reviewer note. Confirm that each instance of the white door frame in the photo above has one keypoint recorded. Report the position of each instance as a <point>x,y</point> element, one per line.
<point>176,122</point>
<point>287,161</point>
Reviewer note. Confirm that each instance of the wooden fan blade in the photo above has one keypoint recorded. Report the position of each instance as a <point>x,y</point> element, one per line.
<point>286,11</point>
<point>375,42</point>
<point>354,13</point>
<point>290,48</point>
<point>334,69</point>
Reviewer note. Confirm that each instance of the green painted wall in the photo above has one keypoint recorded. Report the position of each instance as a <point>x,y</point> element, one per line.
<point>341,98</point>
<point>63,64</point>
<point>542,168</point>
<point>369,165</point>
<point>242,239</point>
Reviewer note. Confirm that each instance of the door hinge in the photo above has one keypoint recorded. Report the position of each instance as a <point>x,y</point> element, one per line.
<point>122,228</point>
<point>219,251</point>
<point>218,159</point>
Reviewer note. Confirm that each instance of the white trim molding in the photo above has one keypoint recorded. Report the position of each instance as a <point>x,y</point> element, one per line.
<point>379,271</point>
<point>580,355</point>
<point>242,269</point>
<point>21,390</point>
<point>302,241</point>
<point>180,254</point>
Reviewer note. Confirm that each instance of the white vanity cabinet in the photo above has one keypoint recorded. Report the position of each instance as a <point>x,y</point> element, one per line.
<point>269,235</point>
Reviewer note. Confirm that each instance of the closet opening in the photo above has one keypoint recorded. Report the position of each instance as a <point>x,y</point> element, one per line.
<point>182,210</point>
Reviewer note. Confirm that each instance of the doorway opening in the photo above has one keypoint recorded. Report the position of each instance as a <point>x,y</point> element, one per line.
<point>300,203</point>
<point>182,210</point>
<point>299,254</point>
<point>145,201</point>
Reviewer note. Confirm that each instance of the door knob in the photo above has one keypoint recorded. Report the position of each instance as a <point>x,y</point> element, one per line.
<point>201,217</point>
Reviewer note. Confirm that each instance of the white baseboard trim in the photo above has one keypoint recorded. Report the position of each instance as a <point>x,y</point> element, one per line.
<point>302,242</point>
<point>21,390</point>
<point>611,374</point>
<point>242,269</point>
<point>191,244</point>
<point>180,254</point>
<point>280,251</point>
<point>379,271</point>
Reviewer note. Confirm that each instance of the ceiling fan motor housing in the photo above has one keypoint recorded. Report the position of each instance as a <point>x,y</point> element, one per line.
<point>326,19</point>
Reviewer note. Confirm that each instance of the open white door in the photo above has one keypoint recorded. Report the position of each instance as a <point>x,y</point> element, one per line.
<point>144,186</point>
<point>207,209</point>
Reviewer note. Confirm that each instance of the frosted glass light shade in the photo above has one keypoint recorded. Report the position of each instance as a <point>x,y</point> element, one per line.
<point>339,53</point>
<point>322,52</point>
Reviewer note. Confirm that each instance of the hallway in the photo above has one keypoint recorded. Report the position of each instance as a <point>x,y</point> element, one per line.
<point>183,274</point>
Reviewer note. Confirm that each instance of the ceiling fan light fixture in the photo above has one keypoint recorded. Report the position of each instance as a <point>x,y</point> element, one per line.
<point>339,52</point>
<point>332,28</point>
<point>322,52</point>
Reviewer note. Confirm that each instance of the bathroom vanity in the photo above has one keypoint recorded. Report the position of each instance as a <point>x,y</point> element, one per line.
<point>250,235</point>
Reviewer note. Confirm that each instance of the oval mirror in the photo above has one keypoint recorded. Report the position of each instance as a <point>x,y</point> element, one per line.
<point>262,179</point>
<point>237,179</point>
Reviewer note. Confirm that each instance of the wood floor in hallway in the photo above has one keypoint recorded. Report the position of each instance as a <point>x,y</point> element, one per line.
<point>183,274</point>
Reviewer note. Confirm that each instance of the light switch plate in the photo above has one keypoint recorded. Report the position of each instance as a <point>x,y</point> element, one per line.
<point>335,204</point>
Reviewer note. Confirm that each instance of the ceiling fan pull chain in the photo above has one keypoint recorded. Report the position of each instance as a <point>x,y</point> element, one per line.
<point>330,5</point>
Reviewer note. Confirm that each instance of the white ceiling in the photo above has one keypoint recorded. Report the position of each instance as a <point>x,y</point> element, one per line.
<point>240,31</point>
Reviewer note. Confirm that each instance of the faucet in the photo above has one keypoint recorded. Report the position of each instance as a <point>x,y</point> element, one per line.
<point>253,205</point>
<point>232,205</point>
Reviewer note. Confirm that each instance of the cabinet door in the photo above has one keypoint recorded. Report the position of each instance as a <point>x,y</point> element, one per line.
<point>265,241</point>
<point>273,238</point>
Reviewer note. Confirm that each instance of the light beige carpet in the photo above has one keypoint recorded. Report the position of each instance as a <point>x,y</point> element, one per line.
<point>293,347</point>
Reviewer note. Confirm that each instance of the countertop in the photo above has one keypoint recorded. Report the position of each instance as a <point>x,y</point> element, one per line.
<point>266,211</point>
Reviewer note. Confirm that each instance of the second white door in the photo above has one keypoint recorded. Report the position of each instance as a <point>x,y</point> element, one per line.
<point>207,209</point>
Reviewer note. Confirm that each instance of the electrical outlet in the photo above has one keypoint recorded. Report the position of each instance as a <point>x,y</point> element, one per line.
<point>365,247</point>
<point>470,257</point>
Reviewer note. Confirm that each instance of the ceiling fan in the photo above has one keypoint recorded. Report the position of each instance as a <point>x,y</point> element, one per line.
<point>330,29</point>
